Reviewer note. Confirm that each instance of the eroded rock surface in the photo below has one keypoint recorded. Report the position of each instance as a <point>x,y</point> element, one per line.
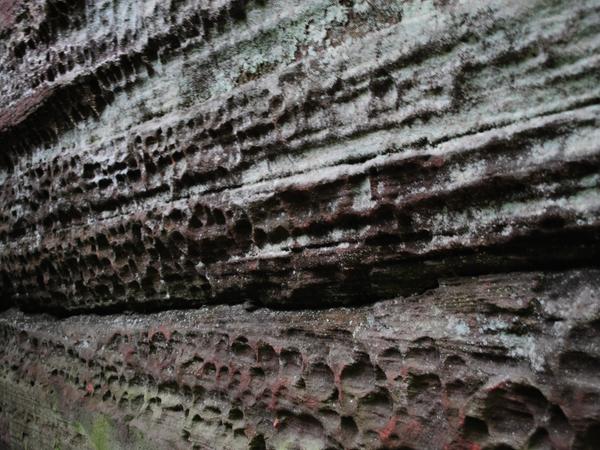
<point>195,152</point>
<point>495,362</point>
<point>405,195</point>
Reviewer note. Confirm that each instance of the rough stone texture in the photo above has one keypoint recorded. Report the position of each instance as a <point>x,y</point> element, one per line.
<point>265,152</point>
<point>426,169</point>
<point>493,361</point>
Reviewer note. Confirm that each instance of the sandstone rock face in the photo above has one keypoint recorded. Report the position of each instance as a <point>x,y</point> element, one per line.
<point>404,194</point>
<point>496,362</point>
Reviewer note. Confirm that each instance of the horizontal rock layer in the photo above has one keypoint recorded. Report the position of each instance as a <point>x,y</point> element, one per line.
<point>404,194</point>
<point>492,362</point>
<point>291,154</point>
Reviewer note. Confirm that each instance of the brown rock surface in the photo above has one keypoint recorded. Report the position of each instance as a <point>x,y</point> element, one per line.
<point>498,361</point>
<point>404,194</point>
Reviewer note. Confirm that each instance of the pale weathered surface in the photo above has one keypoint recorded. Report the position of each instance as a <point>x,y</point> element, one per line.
<point>267,152</point>
<point>300,155</point>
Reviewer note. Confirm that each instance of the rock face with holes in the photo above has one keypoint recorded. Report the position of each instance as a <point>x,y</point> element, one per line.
<point>495,362</point>
<point>406,192</point>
